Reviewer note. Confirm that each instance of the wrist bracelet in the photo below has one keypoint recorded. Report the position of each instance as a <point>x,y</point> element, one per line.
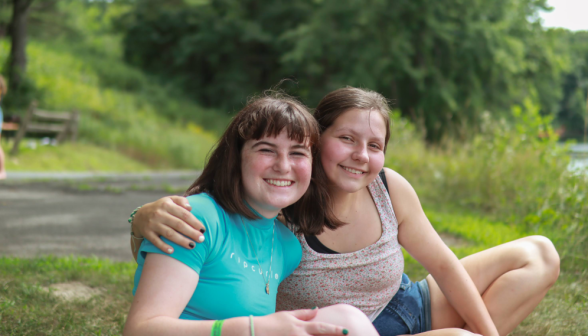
<point>251,325</point>
<point>135,247</point>
<point>217,328</point>
<point>132,216</point>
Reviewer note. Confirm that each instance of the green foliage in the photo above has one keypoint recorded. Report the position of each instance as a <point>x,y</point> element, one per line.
<point>573,112</point>
<point>513,172</point>
<point>120,108</point>
<point>442,62</point>
<point>221,52</point>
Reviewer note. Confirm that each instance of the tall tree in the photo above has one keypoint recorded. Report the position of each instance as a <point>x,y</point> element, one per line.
<point>442,62</point>
<point>17,64</point>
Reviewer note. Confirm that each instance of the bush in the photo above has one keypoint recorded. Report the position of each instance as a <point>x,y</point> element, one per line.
<point>513,172</point>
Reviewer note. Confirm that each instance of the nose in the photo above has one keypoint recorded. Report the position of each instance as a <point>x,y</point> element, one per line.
<point>360,154</point>
<point>282,164</point>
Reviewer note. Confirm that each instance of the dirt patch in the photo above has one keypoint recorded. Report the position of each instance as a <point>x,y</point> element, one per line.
<point>73,291</point>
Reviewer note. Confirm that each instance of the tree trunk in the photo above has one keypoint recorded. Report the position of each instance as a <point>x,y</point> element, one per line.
<point>586,120</point>
<point>18,58</point>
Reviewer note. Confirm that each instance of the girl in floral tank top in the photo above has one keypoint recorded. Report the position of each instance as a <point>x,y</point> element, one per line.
<point>366,279</point>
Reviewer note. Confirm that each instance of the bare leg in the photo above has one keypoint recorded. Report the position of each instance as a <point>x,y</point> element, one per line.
<point>2,160</point>
<point>448,332</point>
<point>357,323</point>
<point>512,279</point>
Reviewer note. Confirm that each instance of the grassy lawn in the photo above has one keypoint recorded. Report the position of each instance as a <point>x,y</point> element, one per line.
<point>69,157</point>
<point>27,308</point>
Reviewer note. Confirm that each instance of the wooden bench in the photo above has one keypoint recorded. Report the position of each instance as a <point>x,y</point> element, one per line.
<point>63,124</point>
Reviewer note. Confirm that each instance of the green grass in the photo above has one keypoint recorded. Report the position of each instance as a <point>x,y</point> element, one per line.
<point>121,109</point>
<point>27,309</point>
<point>70,157</point>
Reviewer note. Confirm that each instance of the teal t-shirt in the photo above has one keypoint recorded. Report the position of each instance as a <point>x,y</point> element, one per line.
<point>231,283</point>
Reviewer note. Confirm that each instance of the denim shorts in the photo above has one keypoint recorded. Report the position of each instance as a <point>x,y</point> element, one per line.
<point>409,311</point>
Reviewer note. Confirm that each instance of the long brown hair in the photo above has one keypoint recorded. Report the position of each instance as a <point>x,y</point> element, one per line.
<point>329,109</point>
<point>266,116</point>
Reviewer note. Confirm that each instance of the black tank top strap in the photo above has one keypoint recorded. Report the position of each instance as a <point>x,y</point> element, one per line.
<point>317,246</point>
<point>383,177</point>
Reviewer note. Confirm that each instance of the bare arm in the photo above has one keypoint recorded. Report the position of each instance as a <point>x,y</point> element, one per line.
<point>169,217</point>
<point>167,285</point>
<point>416,232</point>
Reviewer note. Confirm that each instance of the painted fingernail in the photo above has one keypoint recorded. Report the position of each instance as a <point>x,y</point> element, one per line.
<point>203,230</point>
<point>187,205</point>
<point>345,331</point>
<point>170,250</point>
<point>315,307</point>
<point>191,244</point>
<point>201,239</point>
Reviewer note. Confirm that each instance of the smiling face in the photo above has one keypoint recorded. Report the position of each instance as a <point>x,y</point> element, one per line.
<point>275,171</point>
<point>352,149</point>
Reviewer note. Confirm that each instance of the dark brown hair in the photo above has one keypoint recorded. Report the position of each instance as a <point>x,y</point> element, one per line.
<point>340,101</point>
<point>266,116</point>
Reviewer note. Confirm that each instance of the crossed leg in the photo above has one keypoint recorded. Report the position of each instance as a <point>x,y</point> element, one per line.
<point>512,279</point>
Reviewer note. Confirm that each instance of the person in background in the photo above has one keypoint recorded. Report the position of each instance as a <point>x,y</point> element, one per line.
<point>3,90</point>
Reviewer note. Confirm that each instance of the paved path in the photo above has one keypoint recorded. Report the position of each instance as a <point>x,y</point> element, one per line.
<point>74,214</point>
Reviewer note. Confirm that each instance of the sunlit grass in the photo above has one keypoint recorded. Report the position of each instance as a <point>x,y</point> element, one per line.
<point>120,108</point>
<point>69,157</point>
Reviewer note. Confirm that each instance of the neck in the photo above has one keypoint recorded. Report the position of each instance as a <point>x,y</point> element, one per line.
<point>264,212</point>
<point>267,214</point>
<point>344,202</point>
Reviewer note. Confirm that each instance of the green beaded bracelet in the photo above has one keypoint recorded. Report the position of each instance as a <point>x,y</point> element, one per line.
<point>217,328</point>
<point>132,216</point>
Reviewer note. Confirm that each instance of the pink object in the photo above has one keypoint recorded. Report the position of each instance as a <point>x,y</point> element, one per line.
<point>366,279</point>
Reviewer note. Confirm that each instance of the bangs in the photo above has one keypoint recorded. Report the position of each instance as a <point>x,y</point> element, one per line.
<point>272,116</point>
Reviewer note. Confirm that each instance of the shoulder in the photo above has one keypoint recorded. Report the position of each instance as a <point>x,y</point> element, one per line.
<point>210,214</point>
<point>396,181</point>
<point>402,194</point>
<point>286,234</point>
<point>204,207</point>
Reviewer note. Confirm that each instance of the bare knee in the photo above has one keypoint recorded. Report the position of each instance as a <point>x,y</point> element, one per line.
<point>349,317</point>
<point>543,257</point>
<point>349,311</point>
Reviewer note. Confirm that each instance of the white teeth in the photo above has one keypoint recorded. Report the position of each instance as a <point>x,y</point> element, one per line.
<point>279,183</point>
<point>353,171</point>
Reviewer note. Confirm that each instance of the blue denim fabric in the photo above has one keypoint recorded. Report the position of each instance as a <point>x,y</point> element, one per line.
<point>409,311</point>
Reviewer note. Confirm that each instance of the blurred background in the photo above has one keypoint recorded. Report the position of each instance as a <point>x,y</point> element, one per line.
<point>490,125</point>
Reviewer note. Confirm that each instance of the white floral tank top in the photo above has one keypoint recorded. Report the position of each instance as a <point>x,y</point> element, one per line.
<point>366,279</point>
